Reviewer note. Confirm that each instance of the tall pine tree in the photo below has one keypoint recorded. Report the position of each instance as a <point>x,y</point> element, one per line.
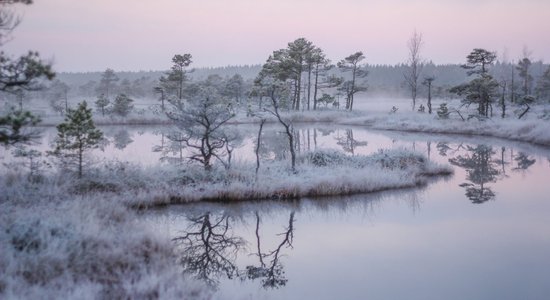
<point>483,89</point>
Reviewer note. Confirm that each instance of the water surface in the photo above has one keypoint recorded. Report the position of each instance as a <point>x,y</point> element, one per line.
<point>481,234</point>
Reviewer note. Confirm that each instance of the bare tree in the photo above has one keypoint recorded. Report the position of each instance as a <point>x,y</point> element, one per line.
<point>200,125</point>
<point>414,45</point>
<point>8,19</point>
<point>271,86</point>
<point>287,125</point>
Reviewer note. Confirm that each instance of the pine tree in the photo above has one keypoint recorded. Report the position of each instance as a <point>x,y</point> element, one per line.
<point>75,136</point>
<point>351,87</point>
<point>122,105</point>
<point>28,72</point>
<point>102,102</point>
<point>483,89</point>
<point>107,82</point>
<point>523,71</point>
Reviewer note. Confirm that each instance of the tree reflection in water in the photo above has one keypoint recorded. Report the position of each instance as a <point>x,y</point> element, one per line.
<point>348,142</point>
<point>122,138</point>
<point>272,272</point>
<point>209,248</point>
<point>482,168</point>
<point>523,162</point>
<point>444,149</point>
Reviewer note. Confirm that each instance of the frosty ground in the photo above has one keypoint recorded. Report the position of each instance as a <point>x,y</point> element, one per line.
<point>68,238</point>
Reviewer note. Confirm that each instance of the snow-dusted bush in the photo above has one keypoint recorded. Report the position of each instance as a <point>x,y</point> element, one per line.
<point>398,159</point>
<point>324,158</point>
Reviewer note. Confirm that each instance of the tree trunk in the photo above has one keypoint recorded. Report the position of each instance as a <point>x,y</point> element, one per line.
<point>259,140</point>
<point>298,91</point>
<point>308,86</point>
<point>315,86</point>
<point>512,89</point>
<point>430,98</point>
<point>352,88</point>
<point>289,132</point>
<point>80,151</point>
<point>502,100</point>
<point>525,111</point>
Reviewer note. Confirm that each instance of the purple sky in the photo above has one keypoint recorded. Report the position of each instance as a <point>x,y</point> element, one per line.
<point>91,35</point>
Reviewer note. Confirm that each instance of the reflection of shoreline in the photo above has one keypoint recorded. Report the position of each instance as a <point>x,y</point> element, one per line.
<point>242,210</point>
<point>508,130</point>
<point>209,246</point>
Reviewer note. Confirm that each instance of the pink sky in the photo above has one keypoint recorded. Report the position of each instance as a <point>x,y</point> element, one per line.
<point>143,35</point>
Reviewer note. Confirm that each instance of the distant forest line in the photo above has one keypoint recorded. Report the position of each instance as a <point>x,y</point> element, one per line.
<point>382,80</point>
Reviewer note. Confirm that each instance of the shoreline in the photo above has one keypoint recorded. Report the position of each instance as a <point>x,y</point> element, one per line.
<point>534,131</point>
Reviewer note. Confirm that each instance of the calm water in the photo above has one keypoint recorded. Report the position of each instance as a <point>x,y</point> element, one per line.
<point>483,233</point>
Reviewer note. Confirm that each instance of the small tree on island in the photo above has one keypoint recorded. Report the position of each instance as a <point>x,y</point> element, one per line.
<point>75,136</point>
<point>483,89</point>
<point>201,128</point>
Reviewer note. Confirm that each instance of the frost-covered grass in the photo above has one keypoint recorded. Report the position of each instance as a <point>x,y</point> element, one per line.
<point>83,247</point>
<point>63,237</point>
<point>533,130</point>
<point>320,173</point>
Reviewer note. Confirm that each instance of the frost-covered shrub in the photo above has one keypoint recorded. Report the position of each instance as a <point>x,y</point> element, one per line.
<point>443,111</point>
<point>398,159</point>
<point>322,158</point>
<point>87,186</point>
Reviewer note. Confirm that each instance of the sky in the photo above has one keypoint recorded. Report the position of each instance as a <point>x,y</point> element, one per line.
<point>133,35</point>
